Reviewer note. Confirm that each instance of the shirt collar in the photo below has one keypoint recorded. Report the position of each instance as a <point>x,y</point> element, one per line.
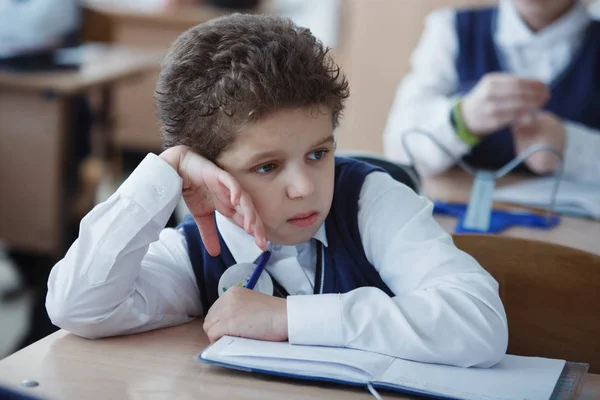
<point>512,31</point>
<point>242,245</point>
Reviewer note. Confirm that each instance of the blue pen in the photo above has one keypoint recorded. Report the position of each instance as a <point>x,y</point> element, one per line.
<point>260,266</point>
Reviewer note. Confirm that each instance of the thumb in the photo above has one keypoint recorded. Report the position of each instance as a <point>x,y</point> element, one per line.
<point>208,233</point>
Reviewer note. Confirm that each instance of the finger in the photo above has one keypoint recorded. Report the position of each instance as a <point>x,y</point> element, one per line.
<point>210,330</point>
<point>235,190</point>
<point>224,210</point>
<point>534,99</point>
<point>260,236</point>
<point>246,208</point>
<point>222,194</point>
<point>524,130</point>
<point>507,117</point>
<point>236,217</point>
<point>532,85</point>
<point>528,120</point>
<point>509,87</point>
<point>256,227</point>
<point>215,324</point>
<point>216,332</point>
<point>511,111</point>
<point>507,82</point>
<point>208,233</point>
<point>214,313</point>
<point>211,320</point>
<point>222,203</point>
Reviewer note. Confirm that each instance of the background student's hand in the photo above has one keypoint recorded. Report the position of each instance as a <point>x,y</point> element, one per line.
<point>246,313</point>
<point>499,100</point>
<point>542,128</point>
<point>207,188</point>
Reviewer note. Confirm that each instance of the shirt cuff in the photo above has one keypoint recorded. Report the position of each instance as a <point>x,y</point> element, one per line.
<point>315,320</point>
<point>152,185</point>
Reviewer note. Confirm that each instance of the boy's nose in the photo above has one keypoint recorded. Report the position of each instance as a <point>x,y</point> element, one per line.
<point>300,186</point>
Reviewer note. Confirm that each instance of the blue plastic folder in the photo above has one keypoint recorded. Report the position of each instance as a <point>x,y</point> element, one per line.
<point>479,217</point>
<point>512,378</point>
<point>498,221</point>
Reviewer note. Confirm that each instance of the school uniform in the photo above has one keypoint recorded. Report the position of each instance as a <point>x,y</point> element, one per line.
<point>459,47</point>
<point>388,278</point>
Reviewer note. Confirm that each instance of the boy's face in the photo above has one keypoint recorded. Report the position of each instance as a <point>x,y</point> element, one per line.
<point>285,162</point>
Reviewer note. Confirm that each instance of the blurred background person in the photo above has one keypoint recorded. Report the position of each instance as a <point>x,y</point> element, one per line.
<point>31,30</point>
<point>489,82</point>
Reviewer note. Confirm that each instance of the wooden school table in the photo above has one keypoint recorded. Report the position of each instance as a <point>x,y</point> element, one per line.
<point>455,186</point>
<point>161,365</point>
<point>34,150</point>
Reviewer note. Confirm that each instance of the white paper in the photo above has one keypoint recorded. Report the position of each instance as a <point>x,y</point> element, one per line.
<point>514,378</point>
<point>370,364</point>
<point>574,198</point>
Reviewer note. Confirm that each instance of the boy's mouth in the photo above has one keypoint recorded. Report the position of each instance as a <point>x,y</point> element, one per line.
<point>304,220</point>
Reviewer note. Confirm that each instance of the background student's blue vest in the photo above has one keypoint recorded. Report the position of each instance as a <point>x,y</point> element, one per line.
<point>345,265</point>
<point>575,93</point>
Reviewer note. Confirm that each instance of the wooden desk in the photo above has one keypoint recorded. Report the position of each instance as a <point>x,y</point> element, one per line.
<point>583,234</point>
<point>34,110</point>
<point>159,365</point>
<point>101,65</point>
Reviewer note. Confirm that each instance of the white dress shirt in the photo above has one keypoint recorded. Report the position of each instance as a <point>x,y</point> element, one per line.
<point>35,24</point>
<point>425,97</point>
<point>595,9</point>
<point>126,274</point>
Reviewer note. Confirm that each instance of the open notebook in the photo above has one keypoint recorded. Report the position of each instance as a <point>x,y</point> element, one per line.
<point>580,199</point>
<point>517,378</point>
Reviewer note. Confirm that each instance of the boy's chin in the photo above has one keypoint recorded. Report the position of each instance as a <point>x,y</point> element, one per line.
<point>294,238</point>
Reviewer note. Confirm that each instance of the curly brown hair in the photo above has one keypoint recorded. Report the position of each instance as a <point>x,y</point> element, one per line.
<point>236,69</point>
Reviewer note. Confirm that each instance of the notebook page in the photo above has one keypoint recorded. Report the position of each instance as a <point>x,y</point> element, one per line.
<point>577,198</point>
<point>329,362</point>
<point>513,378</point>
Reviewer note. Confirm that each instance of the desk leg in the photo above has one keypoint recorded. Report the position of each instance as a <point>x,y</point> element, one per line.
<point>102,163</point>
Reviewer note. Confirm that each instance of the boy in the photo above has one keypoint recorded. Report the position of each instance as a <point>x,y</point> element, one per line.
<point>249,105</point>
<point>479,74</point>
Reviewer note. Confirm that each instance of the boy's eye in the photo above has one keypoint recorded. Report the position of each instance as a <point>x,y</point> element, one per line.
<point>265,168</point>
<point>317,155</point>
